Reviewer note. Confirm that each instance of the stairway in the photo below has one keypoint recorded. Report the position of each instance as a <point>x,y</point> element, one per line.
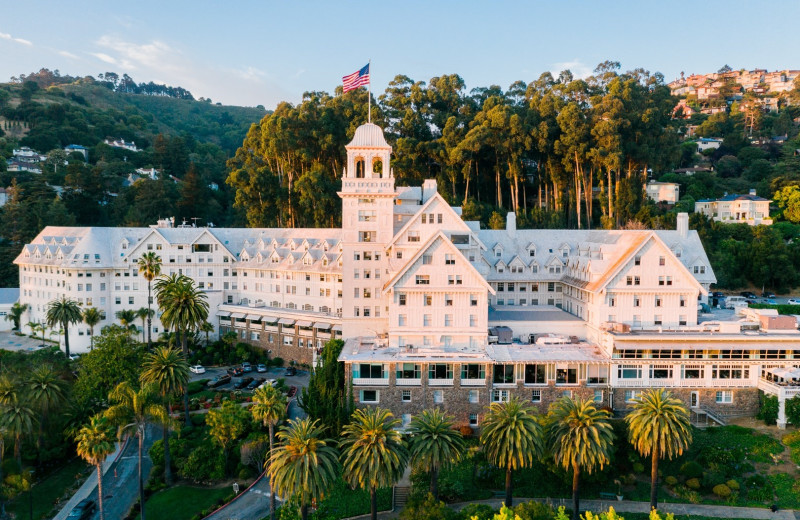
<point>400,497</point>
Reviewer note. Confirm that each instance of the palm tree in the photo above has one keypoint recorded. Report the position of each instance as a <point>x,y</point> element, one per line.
<point>15,314</point>
<point>269,407</point>
<point>127,317</point>
<point>46,392</point>
<point>208,328</point>
<point>304,465</point>
<point>169,371</point>
<point>144,314</point>
<point>150,269</point>
<point>91,317</point>
<point>374,452</point>
<point>34,327</point>
<point>435,444</point>
<point>184,308</point>
<point>512,438</point>
<point>64,312</point>
<point>658,426</point>
<point>581,438</point>
<point>18,420</point>
<point>95,443</point>
<point>132,411</point>
<point>9,390</point>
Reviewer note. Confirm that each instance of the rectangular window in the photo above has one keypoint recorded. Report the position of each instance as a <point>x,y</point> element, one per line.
<point>426,320</point>
<point>474,396</point>
<point>440,371</point>
<point>630,395</point>
<point>662,261</point>
<point>427,259</point>
<point>423,279</point>
<point>636,301</point>
<point>535,374</point>
<point>413,236</point>
<point>401,299</point>
<point>629,280</point>
<point>473,419</point>
<point>473,321</point>
<point>448,300</point>
<point>448,320</point>
<point>566,375</point>
<point>438,396</point>
<point>449,259</point>
<point>629,372</point>
<point>427,300</point>
<point>473,371</point>
<point>408,371</point>
<point>536,396</point>
<point>658,301</point>
<point>401,320</point>
<point>500,396</point>
<point>661,372</point>
<point>406,396</point>
<point>725,397</point>
<point>598,396</point>
<point>369,396</point>
<point>597,374</point>
<point>366,236</point>
<point>693,371</point>
<point>503,374</point>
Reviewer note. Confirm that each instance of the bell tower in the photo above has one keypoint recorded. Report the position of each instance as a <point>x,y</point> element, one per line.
<point>367,228</point>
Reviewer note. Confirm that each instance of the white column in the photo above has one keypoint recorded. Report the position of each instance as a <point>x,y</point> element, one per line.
<point>781,411</point>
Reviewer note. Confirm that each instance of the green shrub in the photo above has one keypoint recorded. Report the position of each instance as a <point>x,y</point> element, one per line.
<point>768,412</point>
<point>197,386</point>
<point>671,481</point>
<point>198,419</point>
<point>693,483</point>
<point>428,509</point>
<point>638,467</point>
<point>534,510</point>
<point>733,485</point>
<point>478,512</point>
<point>691,470</point>
<point>277,362</point>
<point>722,491</point>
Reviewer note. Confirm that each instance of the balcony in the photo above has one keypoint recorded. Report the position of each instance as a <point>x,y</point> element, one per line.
<point>683,383</point>
<point>440,382</point>
<point>370,381</point>
<point>409,382</point>
<point>473,382</point>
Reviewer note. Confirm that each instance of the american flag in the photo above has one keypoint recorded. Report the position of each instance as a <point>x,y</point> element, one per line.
<point>357,79</point>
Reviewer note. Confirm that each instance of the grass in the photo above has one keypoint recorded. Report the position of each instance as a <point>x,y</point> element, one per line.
<point>54,487</point>
<point>185,502</point>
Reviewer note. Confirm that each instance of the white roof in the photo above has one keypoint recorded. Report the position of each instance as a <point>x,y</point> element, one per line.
<point>369,135</point>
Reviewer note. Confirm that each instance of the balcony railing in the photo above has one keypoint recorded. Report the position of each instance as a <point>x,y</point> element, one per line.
<point>409,382</point>
<point>473,382</point>
<point>370,381</point>
<point>682,383</point>
<point>440,382</point>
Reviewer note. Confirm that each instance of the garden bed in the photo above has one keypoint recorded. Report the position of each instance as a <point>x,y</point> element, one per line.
<point>186,502</point>
<point>53,492</point>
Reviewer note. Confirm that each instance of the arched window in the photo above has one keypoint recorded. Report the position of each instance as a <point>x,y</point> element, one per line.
<point>377,167</point>
<point>360,168</point>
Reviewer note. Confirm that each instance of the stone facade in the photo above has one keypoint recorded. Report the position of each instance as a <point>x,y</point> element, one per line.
<point>744,401</point>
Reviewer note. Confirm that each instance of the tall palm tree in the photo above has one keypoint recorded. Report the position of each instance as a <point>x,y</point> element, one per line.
<point>581,438</point>
<point>132,411</point>
<point>145,315</point>
<point>207,328</point>
<point>373,451</point>
<point>15,314</point>
<point>184,308</point>
<point>91,317</point>
<point>512,438</point>
<point>63,311</point>
<point>46,392</point>
<point>9,389</point>
<point>34,327</point>
<point>150,269</point>
<point>18,420</point>
<point>269,407</point>
<point>658,426</point>
<point>304,464</point>
<point>169,371</point>
<point>95,443</point>
<point>127,317</point>
<point>435,444</point>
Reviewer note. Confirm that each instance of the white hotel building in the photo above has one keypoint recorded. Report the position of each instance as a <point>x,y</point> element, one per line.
<point>436,311</point>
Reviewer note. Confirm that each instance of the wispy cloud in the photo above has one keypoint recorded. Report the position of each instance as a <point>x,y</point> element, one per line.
<point>251,73</point>
<point>67,54</point>
<point>155,55</point>
<point>6,36</point>
<point>579,69</point>
<point>104,57</point>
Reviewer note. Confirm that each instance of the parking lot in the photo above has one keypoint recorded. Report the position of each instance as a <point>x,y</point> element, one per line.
<point>300,380</point>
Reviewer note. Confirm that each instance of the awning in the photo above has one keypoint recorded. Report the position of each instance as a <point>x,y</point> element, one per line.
<point>322,326</point>
<point>253,317</point>
<point>224,314</point>
<point>269,319</point>
<point>238,315</point>
<point>304,324</point>
<point>286,321</point>
<point>337,328</point>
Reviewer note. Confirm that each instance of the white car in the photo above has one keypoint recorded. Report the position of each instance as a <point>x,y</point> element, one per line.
<point>268,382</point>
<point>197,369</point>
<point>793,301</point>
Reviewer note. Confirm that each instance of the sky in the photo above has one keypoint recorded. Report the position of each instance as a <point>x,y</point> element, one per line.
<point>263,52</point>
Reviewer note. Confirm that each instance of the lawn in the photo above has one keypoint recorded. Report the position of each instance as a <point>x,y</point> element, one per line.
<point>58,485</point>
<point>185,502</point>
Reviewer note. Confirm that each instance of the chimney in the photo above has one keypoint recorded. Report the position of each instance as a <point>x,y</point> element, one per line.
<point>511,224</point>
<point>753,192</point>
<point>428,189</point>
<point>683,224</point>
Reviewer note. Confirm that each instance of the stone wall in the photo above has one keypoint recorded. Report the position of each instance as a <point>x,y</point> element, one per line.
<point>745,400</point>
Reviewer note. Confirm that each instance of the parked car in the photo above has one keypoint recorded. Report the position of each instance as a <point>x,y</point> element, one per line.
<point>224,379</point>
<point>731,302</point>
<point>703,308</point>
<point>197,369</point>
<point>793,301</point>
<point>255,383</point>
<point>769,301</point>
<point>261,368</point>
<point>268,382</point>
<point>242,383</point>
<point>748,294</point>
<point>83,510</point>
<point>247,367</point>
<point>291,371</point>
<point>235,371</point>
<point>767,294</point>
<point>292,391</point>
<point>717,294</point>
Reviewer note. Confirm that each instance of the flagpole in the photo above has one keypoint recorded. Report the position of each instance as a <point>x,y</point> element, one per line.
<point>369,92</point>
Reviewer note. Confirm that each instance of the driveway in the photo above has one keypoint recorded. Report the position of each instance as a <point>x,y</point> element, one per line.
<point>300,380</point>
<point>10,341</point>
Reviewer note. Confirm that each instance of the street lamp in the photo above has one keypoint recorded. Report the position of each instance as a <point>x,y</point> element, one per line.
<point>30,495</point>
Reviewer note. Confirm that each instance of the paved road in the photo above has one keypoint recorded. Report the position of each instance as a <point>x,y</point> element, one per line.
<point>300,380</point>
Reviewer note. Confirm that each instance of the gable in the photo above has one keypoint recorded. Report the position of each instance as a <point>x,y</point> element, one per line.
<point>438,215</point>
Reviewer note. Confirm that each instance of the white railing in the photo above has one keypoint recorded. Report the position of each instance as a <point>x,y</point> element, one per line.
<point>409,382</point>
<point>440,382</point>
<point>682,383</point>
<point>786,392</point>
<point>473,382</point>
<point>370,381</point>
